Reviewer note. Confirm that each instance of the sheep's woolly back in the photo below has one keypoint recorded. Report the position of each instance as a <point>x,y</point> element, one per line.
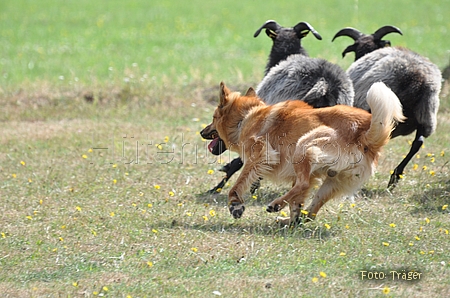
<point>414,79</point>
<point>316,81</point>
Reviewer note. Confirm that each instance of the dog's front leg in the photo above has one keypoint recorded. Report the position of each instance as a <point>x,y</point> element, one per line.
<point>255,164</point>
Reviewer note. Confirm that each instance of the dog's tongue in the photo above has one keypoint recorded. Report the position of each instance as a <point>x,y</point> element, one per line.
<point>213,144</point>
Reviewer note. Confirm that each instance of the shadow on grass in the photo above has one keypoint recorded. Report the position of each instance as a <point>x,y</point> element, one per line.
<point>432,199</point>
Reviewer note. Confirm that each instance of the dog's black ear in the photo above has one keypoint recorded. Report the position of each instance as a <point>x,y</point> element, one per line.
<point>250,92</point>
<point>224,91</point>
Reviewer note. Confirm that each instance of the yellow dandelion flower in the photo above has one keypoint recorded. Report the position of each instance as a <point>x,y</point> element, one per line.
<point>392,225</point>
<point>166,139</point>
<point>431,252</point>
<point>427,185</point>
<point>155,231</point>
<point>386,243</point>
<point>105,288</point>
<point>304,212</point>
<point>401,176</point>
<point>205,218</point>
<point>386,290</point>
<point>418,156</point>
<point>149,205</point>
<point>210,172</point>
<point>391,172</point>
<point>327,226</point>
<point>255,197</point>
<point>424,168</point>
<point>415,166</point>
<point>322,274</point>
<point>112,214</point>
<point>417,238</point>
<point>3,235</point>
<point>352,205</point>
<point>315,279</point>
<point>180,204</point>
<point>342,254</point>
<point>156,187</point>
<point>347,227</point>
<point>432,173</point>
<point>219,189</point>
<point>95,293</point>
<point>194,249</point>
<point>283,213</point>
<point>55,249</point>
<point>61,239</point>
<point>78,208</point>
<point>442,153</point>
<point>432,159</point>
<point>149,264</point>
<point>420,229</point>
<point>422,252</point>
<point>188,213</point>
<point>90,150</point>
<point>212,213</point>
<point>429,154</point>
<point>114,166</point>
<point>444,207</point>
<point>63,227</point>
<point>41,201</point>
<point>84,156</point>
<point>171,193</point>
<point>75,284</point>
<point>427,220</point>
<point>22,162</point>
<point>159,146</point>
<point>14,175</point>
<point>94,232</point>
<point>114,181</point>
<point>411,244</point>
<point>446,232</point>
<point>29,180</point>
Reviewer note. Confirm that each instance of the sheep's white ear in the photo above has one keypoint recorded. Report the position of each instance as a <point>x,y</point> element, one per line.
<point>250,92</point>
<point>224,91</point>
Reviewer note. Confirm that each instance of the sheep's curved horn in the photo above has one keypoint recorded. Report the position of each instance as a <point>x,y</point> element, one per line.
<point>350,32</point>
<point>270,24</point>
<point>380,33</point>
<point>302,26</point>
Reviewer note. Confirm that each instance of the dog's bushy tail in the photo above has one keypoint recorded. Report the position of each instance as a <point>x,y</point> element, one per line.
<point>386,110</point>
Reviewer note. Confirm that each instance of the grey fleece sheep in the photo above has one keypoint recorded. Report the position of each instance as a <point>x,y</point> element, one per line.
<point>291,74</point>
<point>414,79</point>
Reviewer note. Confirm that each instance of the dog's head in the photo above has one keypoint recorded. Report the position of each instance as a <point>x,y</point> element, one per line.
<point>224,122</point>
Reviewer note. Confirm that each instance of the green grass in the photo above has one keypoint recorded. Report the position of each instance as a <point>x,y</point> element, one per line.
<point>77,220</point>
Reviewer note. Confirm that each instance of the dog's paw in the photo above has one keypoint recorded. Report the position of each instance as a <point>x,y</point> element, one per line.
<point>237,209</point>
<point>274,208</point>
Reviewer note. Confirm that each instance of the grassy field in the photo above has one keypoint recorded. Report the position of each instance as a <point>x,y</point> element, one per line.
<point>103,172</point>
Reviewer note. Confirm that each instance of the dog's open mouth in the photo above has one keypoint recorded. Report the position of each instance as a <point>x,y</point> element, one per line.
<point>217,146</point>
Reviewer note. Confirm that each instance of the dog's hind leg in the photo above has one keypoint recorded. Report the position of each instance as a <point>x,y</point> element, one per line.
<point>327,191</point>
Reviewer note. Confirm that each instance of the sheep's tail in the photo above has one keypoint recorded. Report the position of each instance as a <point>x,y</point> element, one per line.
<point>386,111</point>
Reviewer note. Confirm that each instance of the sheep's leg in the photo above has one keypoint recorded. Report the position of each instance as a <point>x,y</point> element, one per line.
<point>229,169</point>
<point>415,147</point>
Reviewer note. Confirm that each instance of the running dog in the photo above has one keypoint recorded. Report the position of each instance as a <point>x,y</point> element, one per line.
<point>335,147</point>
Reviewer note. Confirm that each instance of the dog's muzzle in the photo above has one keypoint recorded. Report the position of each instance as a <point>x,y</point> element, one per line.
<point>217,145</point>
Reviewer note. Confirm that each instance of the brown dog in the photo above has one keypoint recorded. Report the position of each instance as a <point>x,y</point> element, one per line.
<point>337,146</point>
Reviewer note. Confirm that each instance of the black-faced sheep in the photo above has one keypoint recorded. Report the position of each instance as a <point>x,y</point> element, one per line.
<point>291,74</point>
<point>413,78</point>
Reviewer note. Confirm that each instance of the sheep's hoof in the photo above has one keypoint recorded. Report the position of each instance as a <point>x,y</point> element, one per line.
<point>393,181</point>
<point>237,209</point>
<point>274,208</point>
